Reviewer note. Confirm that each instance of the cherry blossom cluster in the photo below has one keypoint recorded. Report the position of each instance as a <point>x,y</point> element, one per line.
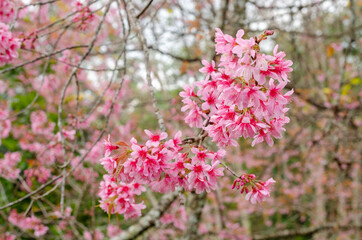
<point>5,123</point>
<point>8,169</point>
<point>113,230</point>
<point>28,39</point>
<point>8,45</point>
<point>177,217</point>
<point>118,197</point>
<point>28,223</point>
<point>6,11</point>
<point>97,235</point>
<point>235,99</point>
<point>84,16</point>
<point>7,236</point>
<point>162,165</point>
<point>255,190</point>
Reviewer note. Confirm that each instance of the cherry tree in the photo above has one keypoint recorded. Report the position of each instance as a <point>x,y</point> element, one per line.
<point>183,118</point>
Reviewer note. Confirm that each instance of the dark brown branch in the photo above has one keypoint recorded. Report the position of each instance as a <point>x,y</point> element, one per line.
<point>195,59</point>
<point>287,234</point>
<point>300,7</point>
<point>41,57</point>
<point>144,9</point>
<point>223,14</point>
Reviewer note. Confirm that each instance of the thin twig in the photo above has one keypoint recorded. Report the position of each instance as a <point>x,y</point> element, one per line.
<point>142,40</point>
<point>60,110</point>
<point>144,9</point>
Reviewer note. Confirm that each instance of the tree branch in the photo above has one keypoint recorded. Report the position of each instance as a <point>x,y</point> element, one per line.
<point>197,203</point>
<point>305,231</point>
<point>150,218</point>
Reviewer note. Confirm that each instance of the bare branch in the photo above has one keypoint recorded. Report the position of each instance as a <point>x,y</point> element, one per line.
<point>288,234</point>
<point>60,110</point>
<point>150,218</point>
<point>137,27</point>
<point>144,9</point>
<point>197,203</point>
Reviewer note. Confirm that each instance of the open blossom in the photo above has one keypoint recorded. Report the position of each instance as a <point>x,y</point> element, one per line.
<point>279,67</point>
<point>109,147</point>
<point>209,69</point>
<point>235,100</point>
<point>8,45</point>
<point>260,192</point>
<point>224,43</point>
<point>255,190</point>
<point>154,138</point>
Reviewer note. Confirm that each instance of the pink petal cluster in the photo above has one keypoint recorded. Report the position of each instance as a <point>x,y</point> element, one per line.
<point>8,45</point>
<point>64,218</point>
<point>28,223</point>
<point>113,230</point>
<point>97,235</point>
<point>255,190</point>
<point>160,164</point>
<point>6,11</point>
<point>235,100</point>
<point>8,169</point>
<point>28,39</point>
<point>165,165</point>
<point>5,123</point>
<point>84,16</point>
<point>41,173</point>
<point>40,124</point>
<point>7,236</point>
<point>177,217</point>
<point>118,197</point>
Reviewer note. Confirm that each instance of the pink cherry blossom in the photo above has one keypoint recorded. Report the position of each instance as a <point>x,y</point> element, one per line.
<point>260,192</point>
<point>113,230</point>
<point>8,45</point>
<point>223,42</point>
<point>255,190</point>
<point>28,223</point>
<point>209,69</point>
<point>84,16</point>
<point>109,147</point>
<point>234,100</point>
<point>8,169</point>
<point>6,11</point>
<point>5,123</point>
<point>154,138</point>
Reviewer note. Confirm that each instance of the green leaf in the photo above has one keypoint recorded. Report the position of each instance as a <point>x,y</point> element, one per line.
<point>10,144</point>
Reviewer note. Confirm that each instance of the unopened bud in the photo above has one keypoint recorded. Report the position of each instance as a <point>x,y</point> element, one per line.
<point>268,32</point>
